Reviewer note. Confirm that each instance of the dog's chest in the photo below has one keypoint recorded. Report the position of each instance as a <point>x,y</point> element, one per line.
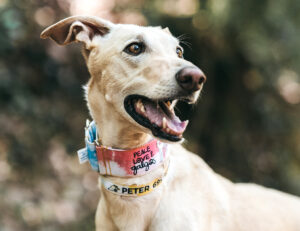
<point>179,213</point>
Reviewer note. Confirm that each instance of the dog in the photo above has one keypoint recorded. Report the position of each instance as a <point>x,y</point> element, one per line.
<point>137,76</point>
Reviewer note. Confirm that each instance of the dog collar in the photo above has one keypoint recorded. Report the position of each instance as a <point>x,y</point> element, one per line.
<point>131,190</point>
<point>118,162</point>
<point>134,190</point>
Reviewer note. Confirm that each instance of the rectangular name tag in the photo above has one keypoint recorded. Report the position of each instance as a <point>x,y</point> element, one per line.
<point>82,155</point>
<point>131,190</point>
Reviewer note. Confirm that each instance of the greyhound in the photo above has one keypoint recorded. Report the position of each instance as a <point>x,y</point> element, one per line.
<point>148,181</point>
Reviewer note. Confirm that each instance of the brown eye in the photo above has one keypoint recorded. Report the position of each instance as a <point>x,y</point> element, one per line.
<point>179,52</point>
<point>135,48</point>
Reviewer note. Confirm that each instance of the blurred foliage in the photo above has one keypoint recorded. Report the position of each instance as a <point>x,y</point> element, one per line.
<point>246,125</point>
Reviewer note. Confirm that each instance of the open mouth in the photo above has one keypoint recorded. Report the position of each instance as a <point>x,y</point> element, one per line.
<point>157,115</point>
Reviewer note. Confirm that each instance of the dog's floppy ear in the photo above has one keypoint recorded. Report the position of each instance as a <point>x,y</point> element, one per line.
<point>77,29</point>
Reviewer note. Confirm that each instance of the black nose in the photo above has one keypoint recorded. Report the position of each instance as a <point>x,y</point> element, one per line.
<point>190,78</point>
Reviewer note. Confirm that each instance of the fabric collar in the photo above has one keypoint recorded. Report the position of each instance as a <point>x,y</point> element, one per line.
<point>118,162</point>
<point>131,190</point>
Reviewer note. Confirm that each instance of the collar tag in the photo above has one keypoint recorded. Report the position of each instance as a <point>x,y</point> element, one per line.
<point>82,155</point>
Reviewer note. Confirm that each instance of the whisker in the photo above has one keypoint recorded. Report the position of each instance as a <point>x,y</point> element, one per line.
<point>182,39</point>
<point>188,44</point>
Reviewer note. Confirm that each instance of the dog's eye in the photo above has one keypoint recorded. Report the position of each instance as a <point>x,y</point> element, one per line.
<point>135,48</point>
<point>179,52</point>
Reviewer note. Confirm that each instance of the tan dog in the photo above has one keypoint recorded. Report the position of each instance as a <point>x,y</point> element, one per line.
<point>133,70</point>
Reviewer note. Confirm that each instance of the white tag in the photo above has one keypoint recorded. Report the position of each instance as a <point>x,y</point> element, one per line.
<point>82,155</point>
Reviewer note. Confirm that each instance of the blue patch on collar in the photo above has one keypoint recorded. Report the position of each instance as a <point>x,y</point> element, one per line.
<point>90,139</point>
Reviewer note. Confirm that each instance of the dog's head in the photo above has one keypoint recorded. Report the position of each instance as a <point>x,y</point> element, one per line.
<point>140,71</point>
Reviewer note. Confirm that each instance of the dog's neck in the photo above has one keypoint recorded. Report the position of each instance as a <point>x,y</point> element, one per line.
<point>113,130</point>
<point>122,137</point>
<point>116,133</point>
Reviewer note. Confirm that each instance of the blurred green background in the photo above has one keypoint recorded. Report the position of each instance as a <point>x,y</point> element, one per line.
<point>246,125</point>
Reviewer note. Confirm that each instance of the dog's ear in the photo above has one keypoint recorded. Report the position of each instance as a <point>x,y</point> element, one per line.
<point>77,29</point>
<point>166,29</point>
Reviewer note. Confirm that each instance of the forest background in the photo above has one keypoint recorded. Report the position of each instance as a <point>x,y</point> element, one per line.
<point>245,126</point>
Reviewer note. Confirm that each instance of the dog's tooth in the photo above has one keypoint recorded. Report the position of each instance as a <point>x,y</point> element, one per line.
<point>143,108</point>
<point>139,104</point>
<point>164,122</point>
<point>173,104</point>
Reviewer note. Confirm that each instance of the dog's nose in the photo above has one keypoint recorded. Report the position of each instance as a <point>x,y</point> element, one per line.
<point>190,78</point>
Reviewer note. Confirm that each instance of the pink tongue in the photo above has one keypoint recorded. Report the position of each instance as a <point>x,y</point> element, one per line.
<point>155,114</point>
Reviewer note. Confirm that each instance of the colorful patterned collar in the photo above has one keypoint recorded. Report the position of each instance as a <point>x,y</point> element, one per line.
<point>117,162</point>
